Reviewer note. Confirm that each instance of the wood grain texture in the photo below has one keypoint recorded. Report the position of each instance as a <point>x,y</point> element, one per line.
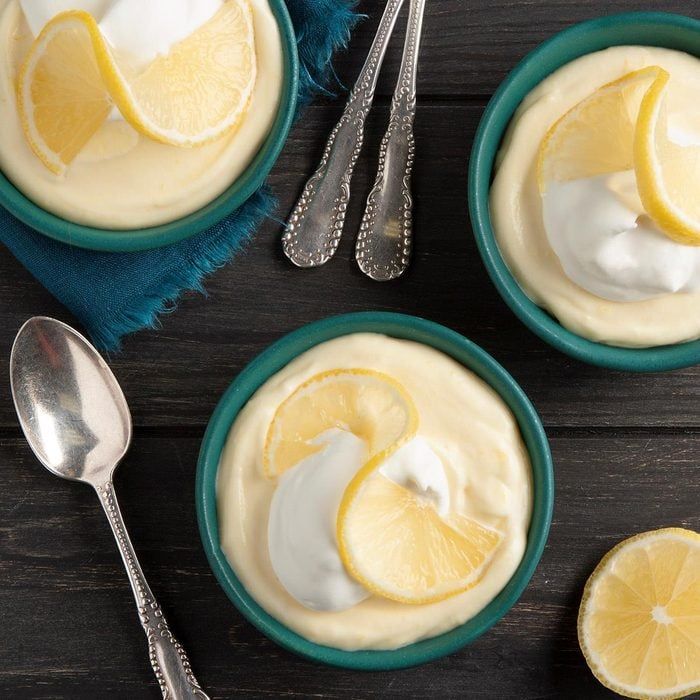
<point>175,376</point>
<point>70,631</point>
<point>469,47</point>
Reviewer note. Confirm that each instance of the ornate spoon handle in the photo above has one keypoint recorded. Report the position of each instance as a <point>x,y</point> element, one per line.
<point>168,658</point>
<point>316,223</point>
<point>384,241</point>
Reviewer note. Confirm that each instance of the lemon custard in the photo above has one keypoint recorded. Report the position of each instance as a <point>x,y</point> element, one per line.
<point>125,114</point>
<point>374,493</point>
<point>594,201</point>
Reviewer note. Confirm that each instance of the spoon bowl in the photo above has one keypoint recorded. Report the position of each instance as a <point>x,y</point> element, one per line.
<point>70,406</point>
<point>77,422</point>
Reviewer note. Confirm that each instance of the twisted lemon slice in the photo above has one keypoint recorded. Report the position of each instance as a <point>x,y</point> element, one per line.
<point>639,621</point>
<point>668,175</point>
<point>372,405</point>
<point>622,126</point>
<point>70,81</point>
<point>397,545</point>
<point>596,136</point>
<point>389,538</point>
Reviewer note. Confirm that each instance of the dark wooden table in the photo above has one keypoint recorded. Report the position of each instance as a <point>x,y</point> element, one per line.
<point>626,446</point>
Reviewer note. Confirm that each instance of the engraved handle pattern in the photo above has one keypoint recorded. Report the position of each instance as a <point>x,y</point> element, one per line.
<point>316,223</point>
<point>168,658</point>
<point>385,239</point>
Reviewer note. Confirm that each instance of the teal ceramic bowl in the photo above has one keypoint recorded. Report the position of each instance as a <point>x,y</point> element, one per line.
<point>399,326</point>
<point>156,236</point>
<point>647,28</point>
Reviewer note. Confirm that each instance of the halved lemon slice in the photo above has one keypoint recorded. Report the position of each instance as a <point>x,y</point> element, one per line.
<point>372,405</point>
<point>62,97</point>
<point>199,90</point>
<point>596,136</point>
<point>668,174</point>
<point>623,126</point>
<point>639,621</point>
<point>397,545</point>
<point>70,80</point>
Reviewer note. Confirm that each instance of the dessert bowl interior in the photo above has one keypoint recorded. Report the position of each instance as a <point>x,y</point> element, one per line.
<point>399,326</point>
<point>233,197</point>
<point>643,28</point>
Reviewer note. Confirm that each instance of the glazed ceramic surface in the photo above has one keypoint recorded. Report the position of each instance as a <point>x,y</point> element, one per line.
<point>157,236</point>
<point>644,28</point>
<point>397,326</point>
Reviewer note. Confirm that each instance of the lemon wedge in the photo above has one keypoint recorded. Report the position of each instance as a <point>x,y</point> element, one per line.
<point>372,405</point>
<point>623,126</point>
<point>639,621</point>
<point>398,546</point>
<point>71,79</point>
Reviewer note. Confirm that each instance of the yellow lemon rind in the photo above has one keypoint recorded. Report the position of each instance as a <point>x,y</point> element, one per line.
<point>583,609</point>
<point>650,72</point>
<point>268,468</point>
<point>55,165</point>
<point>671,222</point>
<point>351,496</point>
<point>118,90</point>
<point>128,106</point>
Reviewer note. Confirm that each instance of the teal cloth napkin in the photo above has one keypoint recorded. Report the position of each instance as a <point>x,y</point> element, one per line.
<point>113,294</point>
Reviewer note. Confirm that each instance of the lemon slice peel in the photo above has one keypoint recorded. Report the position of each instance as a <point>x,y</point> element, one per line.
<point>623,126</point>
<point>621,99</point>
<point>63,22</point>
<point>271,469</point>
<point>470,544</point>
<point>124,92</point>
<point>651,137</point>
<point>193,111</point>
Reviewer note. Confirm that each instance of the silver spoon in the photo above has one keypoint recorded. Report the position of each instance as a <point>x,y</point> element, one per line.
<point>316,223</point>
<point>76,420</point>
<point>384,241</point>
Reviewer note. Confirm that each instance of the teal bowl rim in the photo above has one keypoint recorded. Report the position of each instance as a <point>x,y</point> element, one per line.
<point>278,356</point>
<point>252,178</point>
<point>646,28</point>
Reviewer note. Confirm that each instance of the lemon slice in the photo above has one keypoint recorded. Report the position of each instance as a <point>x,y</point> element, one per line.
<point>596,136</point>
<point>70,80</point>
<point>397,545</point>
<point>62,99</point>
<point>199,90</point>
<point>623,126</point>
<point>372,405</point>
<point>668,175</point>
<point>639,621</point>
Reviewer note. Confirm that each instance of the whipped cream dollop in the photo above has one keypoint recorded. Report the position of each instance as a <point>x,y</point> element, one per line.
<point>302,523</point>
<point>140,30</point>
<point>607,244</point>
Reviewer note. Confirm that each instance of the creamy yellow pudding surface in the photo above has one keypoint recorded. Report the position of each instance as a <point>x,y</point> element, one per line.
<point>123,180</point>
<point>516,205</point>
<point>467,425</point>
